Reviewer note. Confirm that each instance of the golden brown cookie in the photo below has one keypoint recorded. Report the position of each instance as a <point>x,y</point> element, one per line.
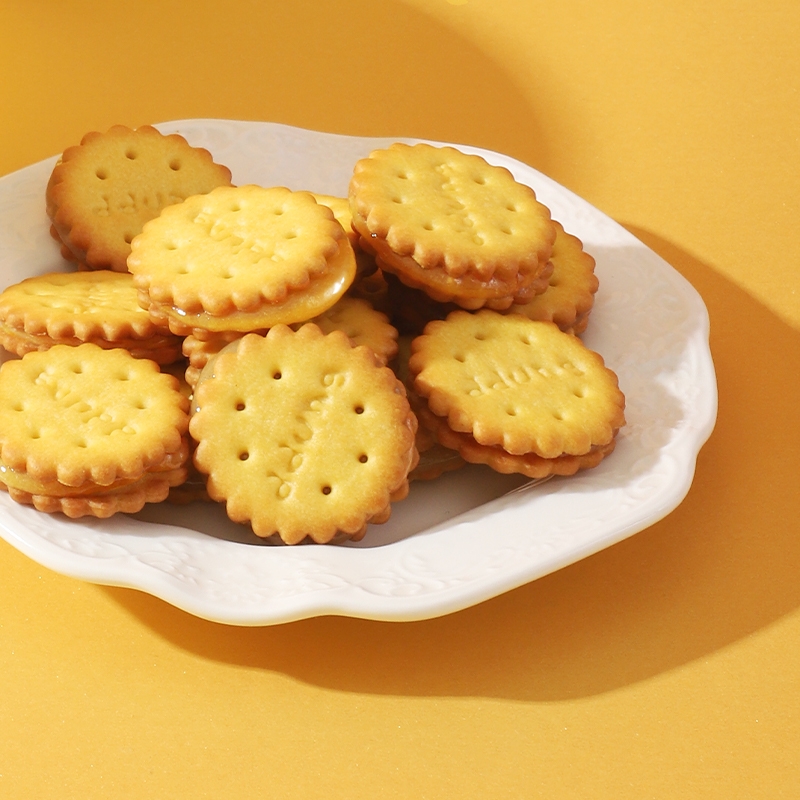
<point>451,224</point>
<point>241,259</point>
<point>362,324</point>
<point>100,306</point>
<point>303,435</point>
<point>517,388</point>
<point>569,297</point>
<point>89,431</point>
<point>102,191</point>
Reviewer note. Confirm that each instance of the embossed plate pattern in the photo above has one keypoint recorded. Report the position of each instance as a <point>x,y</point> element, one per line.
<point>456,541</point>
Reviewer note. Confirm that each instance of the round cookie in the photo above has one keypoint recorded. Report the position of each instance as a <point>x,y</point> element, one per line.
<point>362,324</point>
<point>450,223</point>
<point>89,431</point>
<point>100,306</point>
<point>303,435</point>
<point>569,297</point>
<point>102,191</point>
<point>241,259</point>
<point>517,388</point>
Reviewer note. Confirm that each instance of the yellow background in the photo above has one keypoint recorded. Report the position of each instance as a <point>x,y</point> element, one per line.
<point>667,666</point>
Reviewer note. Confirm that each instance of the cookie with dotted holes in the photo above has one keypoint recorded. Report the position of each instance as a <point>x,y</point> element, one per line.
<point>241,259</point>
<point>302,435</point>
<point>451,223</point>
<point>102,191</point>
<point>89,431</point>
<point>516,384</point>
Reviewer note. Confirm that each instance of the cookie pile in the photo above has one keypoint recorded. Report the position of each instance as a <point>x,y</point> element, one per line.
<point>297,357</point>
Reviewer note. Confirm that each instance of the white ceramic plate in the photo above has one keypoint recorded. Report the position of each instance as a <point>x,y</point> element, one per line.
<point>456,541</point>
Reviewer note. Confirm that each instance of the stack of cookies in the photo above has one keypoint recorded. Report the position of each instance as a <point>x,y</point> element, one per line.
<point>241,259</point>
<point>452,225</point>
<point>449,230</point>
<point>303,410</point>
<point>88,431</point>
<point>71,308</point>
<point>519,395</point>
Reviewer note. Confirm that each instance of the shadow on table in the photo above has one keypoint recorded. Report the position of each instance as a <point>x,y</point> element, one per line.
<point>722,566</point>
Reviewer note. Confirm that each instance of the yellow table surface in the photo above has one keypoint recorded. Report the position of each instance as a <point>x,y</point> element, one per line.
<point>667,666</point>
